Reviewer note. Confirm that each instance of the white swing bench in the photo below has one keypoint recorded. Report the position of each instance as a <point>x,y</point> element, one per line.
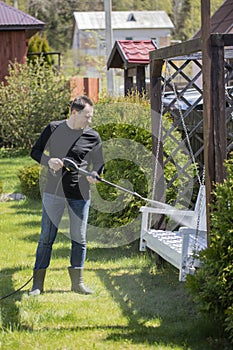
<point>177,247</point>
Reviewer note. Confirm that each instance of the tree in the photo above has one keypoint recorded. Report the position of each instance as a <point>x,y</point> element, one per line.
<point>37,44</point>
<point>58,17</point>
<point>182,19</point>
<point>139,5</point>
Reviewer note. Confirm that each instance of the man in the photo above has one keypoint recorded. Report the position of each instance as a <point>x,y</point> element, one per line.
<point>74,139</point>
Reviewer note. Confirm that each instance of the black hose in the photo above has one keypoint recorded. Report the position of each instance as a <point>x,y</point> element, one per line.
<point>17,290</point>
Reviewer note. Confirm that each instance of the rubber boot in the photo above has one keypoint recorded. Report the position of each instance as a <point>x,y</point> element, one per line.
<point>38,282</point>
<point>77,281</point>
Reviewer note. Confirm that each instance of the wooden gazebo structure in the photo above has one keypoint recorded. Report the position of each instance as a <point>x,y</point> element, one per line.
<point>212,125</point>
<point>133,57</point>
<point>203,114</point>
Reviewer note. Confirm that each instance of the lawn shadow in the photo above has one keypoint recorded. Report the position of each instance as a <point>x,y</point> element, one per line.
<point>157,306</point>
<point>27,207</point>
<point>9,298</point>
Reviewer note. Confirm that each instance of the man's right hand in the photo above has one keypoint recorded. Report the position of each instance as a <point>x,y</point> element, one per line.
<point>55,164</point>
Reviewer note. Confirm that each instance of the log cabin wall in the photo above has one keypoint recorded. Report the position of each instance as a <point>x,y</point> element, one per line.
<point>13,47</point>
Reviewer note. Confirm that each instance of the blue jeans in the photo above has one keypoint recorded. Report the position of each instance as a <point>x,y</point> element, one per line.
<point>52,211</point>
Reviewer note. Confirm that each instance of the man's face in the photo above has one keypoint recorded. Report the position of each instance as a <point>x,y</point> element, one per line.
<point>84,117</point>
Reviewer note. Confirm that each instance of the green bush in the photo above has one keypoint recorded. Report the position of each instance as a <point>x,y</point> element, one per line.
<point>33,96</point>
<point>29,181</point>
<point>212,285</point>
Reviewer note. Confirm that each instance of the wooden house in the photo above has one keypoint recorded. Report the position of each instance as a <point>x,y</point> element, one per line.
<point>16,28</point>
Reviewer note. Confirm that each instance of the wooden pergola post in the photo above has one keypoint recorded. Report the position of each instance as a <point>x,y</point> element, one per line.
<point>213,107</point>
<point>155,100</point>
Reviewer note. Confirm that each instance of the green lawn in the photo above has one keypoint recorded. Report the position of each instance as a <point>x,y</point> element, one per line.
<point>135,305</point>
<point>9,168</point>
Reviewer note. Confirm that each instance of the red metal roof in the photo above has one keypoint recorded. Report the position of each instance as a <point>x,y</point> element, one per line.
<point>12,18</point>
<point>137,51</point>
<point>130,53</point>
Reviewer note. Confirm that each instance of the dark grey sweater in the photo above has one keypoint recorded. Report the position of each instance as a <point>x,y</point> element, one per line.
<point>83,146</point>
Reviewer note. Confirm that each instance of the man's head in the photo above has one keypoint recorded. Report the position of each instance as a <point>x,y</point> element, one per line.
<point>80,102</point>
<point>81,112</point>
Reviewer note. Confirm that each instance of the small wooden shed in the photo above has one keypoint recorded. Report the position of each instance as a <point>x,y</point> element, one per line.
<point>133,57</point>
<point>16,28</point>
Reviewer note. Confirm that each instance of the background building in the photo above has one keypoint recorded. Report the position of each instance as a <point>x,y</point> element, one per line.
<point>89,37</point>
<point>16,28</point>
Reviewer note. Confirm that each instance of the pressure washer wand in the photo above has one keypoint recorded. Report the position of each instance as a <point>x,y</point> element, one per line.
<point>69,164</point>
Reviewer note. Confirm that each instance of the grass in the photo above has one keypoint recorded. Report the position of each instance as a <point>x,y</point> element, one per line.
<point>9,167</point>
<point>135,305</point>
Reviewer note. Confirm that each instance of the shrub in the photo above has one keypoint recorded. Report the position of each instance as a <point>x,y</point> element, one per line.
<point>12,152</point>
<point>29,181</point>
<point>34,95</point>
<point>212,285</point>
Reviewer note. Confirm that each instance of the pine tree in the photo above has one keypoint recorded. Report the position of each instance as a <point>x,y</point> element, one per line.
<point>39,44</point>
<point>182,19</point>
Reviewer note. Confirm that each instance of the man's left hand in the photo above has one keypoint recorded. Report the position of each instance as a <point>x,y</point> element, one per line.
<point>93,179</point>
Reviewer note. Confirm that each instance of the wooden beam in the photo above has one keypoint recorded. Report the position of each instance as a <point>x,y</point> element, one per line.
<point>218,115</point>
<point>128,83</point>
<point>132,71</point>
<point>214,107</point>
<point>141,80</point>
<point>177,50</point>
<point>190,47</point>
<point>207,108</point>
<point>155,101</point>
<point>156,67</point>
